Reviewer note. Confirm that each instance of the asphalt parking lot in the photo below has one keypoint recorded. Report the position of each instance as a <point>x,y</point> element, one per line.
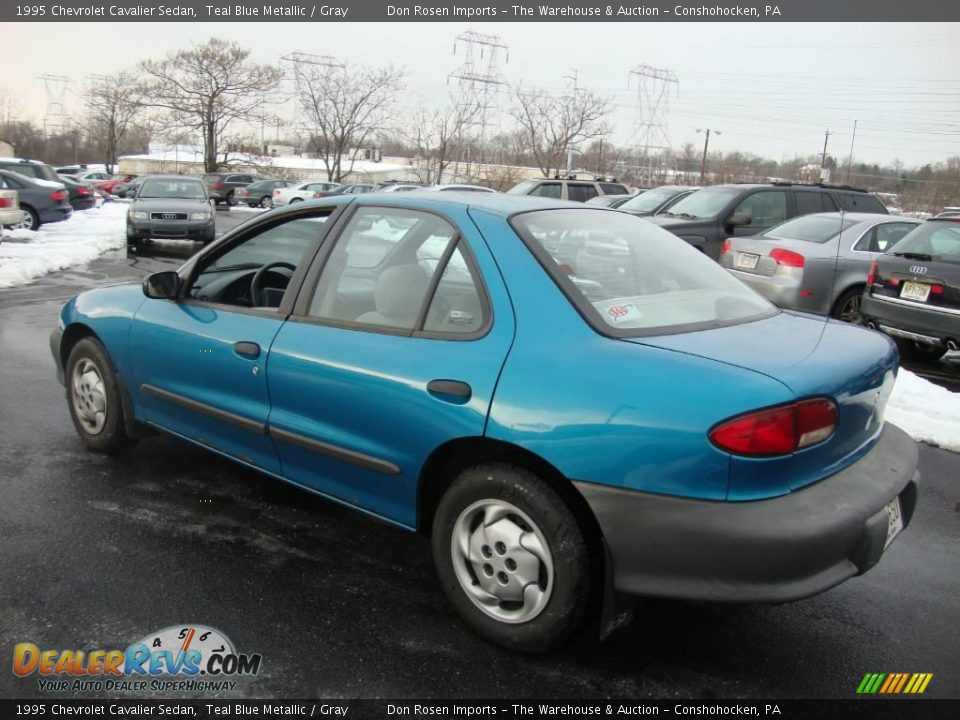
<point>99,551</point>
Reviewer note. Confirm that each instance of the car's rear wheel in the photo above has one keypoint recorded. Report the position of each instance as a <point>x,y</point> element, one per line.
<point>295,200</point>
<point>231,200</point>
<point>512,558</point>
<point>30,221</point>
<point>847,306</point>
<point>266,202</point>
<point>93,397</point>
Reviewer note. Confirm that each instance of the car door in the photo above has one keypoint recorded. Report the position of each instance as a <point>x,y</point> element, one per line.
<point>199,362</point>
<point>765,208</point>
<point>392,351</point>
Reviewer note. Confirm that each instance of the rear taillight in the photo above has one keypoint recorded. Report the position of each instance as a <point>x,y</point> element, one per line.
<point>217,186</point>
<point>83,192</point>
<point>787,258</point>
<point>725,248</point>
<point>276,192</point>
<point>5,202</point>
<point>872,274</point>
<point>777,431</point>
<point>936,289</point>
<point>58,196</point>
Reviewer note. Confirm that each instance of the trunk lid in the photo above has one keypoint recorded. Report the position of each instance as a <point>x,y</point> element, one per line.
<point>924,283</point>
<point>812,357</point>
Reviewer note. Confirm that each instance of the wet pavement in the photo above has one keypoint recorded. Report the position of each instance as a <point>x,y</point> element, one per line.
<point>99,551</point>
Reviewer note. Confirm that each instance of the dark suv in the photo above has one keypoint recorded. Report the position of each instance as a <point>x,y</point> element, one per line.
<point>222,186</point>
<point>710,215</point>
<point>568,188</point>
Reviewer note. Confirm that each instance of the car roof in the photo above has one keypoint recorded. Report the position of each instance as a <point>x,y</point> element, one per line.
<point>495,203</point>
<point>860,217</point>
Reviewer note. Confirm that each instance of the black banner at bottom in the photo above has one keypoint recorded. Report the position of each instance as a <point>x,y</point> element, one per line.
<point>874,709</point>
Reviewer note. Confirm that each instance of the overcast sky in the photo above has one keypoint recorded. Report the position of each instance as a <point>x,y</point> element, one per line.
<point>770,88</point>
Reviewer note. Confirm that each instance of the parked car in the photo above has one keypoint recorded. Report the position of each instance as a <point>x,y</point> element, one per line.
<point>260,194</point>
<point>948,213</point>
<point>42,201</point>
<point>608,200</point>
<point>352,189</point>
<point>569,401</point>
<point>128,188</point>
<point>110,185</point>
<point>306,190</point>
<point>709,216</point>
<point>398,186</point>
<point>222,187</point>
<point>458,188</point>
<point>657,200</point>
<point>92,175</point>
<point>913,290</point>
<point>29,168</point>
<point>568,189</point>
<point>10,214</point>
<point>173,207</point>
<point>83,195</point>
<point>815,263</point>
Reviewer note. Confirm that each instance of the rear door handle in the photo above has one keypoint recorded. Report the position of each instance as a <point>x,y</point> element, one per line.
<point>452,391</point>
<point>249,350</point>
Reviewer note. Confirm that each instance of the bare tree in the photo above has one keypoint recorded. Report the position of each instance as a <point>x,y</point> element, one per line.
<point>113,105</point>
<point>8,108</point>
<point>551,124</point>
<point>345,108</point>
<point>207,89</point>
<point>435,136</point>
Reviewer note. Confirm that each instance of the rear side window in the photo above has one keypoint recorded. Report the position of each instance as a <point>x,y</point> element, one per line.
<point>614,189</point>
<point>859,202</point>
<point>628,277</point>
<point>548,190</point>
<point>580,192</point>
<point>810,202</point>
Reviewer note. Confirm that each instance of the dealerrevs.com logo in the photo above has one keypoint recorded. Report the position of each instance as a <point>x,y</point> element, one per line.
<point>184,658</point>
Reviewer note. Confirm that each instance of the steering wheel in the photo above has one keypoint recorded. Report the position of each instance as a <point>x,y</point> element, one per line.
<point>255,289</point>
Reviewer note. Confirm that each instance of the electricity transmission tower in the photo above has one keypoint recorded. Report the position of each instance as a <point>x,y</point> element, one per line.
<point>302,66</point>
<point>55,116</point>
<point>650,123</point>
<point>479,79</point>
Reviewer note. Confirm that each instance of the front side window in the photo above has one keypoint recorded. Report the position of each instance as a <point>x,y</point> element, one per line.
<point>521,188</point>
<point>629,277</point>
<point>648,201</point>
<point>705,203</point>
<point>256,272</point>
<point>381,271</point>
<point>764,208</point>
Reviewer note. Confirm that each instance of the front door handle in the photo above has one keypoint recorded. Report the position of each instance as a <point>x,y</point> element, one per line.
<point>452,391</point>
<point>249,350</point>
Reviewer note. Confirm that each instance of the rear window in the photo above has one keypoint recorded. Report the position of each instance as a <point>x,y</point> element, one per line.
<point>938,240</point>
<point>810,228</point>
<point>628,277</point>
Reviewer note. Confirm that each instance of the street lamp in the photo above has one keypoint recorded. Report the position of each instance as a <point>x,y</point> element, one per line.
<point>706,144</point>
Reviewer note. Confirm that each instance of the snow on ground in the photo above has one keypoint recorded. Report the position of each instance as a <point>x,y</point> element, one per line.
<point>927,412</point>
<point>26,255</point>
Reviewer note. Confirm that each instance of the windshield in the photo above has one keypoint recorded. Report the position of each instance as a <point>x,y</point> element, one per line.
<point>648,201</point>
<point>521,188</point>
<point>705,203</point>
<point>180,189</point>
<point>810,228</point>
<point>629,277</point>
<point>938,241</point>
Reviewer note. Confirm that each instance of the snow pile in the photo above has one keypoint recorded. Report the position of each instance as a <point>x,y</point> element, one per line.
<point>927,412</point>
<point>26,255</point>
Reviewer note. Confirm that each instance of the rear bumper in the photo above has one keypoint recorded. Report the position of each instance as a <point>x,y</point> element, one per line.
<point>775,550</point>
<point>11,217</point>
<point>55,214</point>
<point>782,291</point>
<point>911,321</point>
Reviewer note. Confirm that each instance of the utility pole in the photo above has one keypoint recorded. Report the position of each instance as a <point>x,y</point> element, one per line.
<point>850,157</point>
<point>706,144</point>
<point>823,158</point>
<point>479,80</point>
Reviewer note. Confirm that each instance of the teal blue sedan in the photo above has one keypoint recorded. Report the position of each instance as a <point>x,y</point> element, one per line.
<point>576,406</point>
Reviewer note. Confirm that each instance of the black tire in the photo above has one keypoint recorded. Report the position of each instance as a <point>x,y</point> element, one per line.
<point>295,200</point>
<point>568,595</point>
<point>31,215</point>
<point>231,200</point>
<point>266,202</point>
<point>843,308</point>
<point>112,437</point>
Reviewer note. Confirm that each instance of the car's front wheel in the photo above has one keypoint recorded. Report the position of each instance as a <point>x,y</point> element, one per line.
<point>512,558</point>
<point>93,397</point>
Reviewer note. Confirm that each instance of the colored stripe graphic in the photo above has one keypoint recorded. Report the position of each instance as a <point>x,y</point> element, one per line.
<point>894,683</point>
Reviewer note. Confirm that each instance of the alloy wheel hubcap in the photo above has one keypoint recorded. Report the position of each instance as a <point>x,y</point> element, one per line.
<point>502,561</point>
<point>266,202</point>
<point>850,312</point>
<point>89,396</point>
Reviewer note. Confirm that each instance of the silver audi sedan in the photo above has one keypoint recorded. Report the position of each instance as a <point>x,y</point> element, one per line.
<point>815,263</point>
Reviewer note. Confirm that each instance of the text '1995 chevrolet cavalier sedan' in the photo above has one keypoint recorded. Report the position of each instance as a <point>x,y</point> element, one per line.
<point>575,404</point>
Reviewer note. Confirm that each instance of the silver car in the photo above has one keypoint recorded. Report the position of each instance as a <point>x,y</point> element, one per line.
<point>171,207</point>
<point>815,263</point>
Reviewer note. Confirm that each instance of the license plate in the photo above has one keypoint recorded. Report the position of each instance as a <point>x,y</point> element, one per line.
<point>894,521</point>
<point>915,291</point>
<point>747,261</point>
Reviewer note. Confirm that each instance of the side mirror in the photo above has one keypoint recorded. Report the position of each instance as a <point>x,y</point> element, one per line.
<point>739,218</point>
<point>162,285</point>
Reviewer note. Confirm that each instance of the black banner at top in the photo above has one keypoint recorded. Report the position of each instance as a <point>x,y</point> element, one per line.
<point>479,11</point>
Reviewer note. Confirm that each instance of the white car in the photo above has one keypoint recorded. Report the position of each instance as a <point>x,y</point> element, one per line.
<point>399,187</point>
<point>458,188</point>
<point>306,190</point>
<point>10,213</point>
